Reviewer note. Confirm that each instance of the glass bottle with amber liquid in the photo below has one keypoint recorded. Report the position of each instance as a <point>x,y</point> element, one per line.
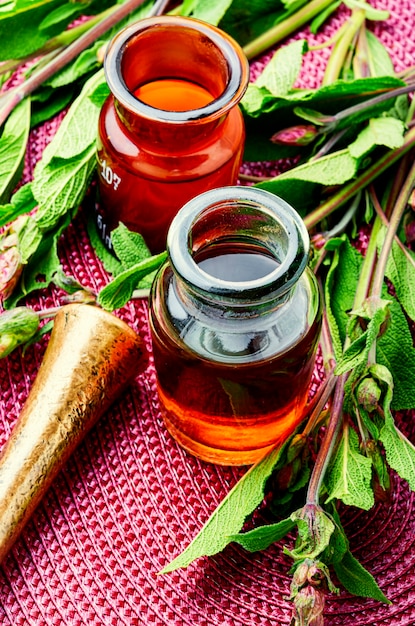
<point>171,127</point>
<point>235,317</point>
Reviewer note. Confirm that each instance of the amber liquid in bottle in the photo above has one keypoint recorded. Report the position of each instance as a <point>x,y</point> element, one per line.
<point>173,94</point>
<point>230,399</point>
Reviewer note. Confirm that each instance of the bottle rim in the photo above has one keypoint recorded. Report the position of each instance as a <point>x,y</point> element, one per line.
<point>286,225</point>
<point>233,54</point>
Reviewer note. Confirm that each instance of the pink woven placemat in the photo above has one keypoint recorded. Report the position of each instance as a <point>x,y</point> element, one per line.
<point>130,499</point>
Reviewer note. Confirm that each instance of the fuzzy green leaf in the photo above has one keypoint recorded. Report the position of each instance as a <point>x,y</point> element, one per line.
<point>13,142</point>
<point>380,131</point>
<point>21,202</point>
<point>357,580</point>
<point>283,69</point>
<point>340,289</point>
<point>400,453</point>
<point>390,348</point>
<point>261,538</point>
<point>400,270</point>
<point>229,517</point>
<point>129,247</point>
<point>207,10</point>
<point>350,474</point>
<point>117,293</point>
<point>380,62</point>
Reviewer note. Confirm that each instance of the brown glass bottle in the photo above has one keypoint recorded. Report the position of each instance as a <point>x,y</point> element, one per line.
<point>171,127</point>
<point>235,319</point>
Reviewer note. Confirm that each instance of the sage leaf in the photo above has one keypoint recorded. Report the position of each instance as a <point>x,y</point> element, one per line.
<point>208,10</point>
<point>350,474</point>
<point>380,131</point>
<point>357,353</point>
<point>340,288</point>
<point>111,264</point>
<point>400,453</point>
<point>300,186</point>
<point>117,293</point>
<point>129,246</point>
<point>380,62</point>
<point>261,538</point>
<point>357,580</point>
<point>400,270</point>
<point>78,130</point>
<point>283,69</point>
<point>229,517</point>
<point>21,202</point>
<point>390,348</point>
<point>13,142</point>
<point>370,12</point>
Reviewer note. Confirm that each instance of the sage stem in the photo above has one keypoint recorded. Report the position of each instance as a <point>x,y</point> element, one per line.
<point>341,47</point>
<point>288,26</point>
<point>348,191</point>
<point>394,222</point>
<point>13,97</point>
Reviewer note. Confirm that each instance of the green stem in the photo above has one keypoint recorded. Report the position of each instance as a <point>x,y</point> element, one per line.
<point>394,222</point>
<point>348,191</point>
<point>327,446</point>
<point>341,48</point>
<point>13,97</point>
<point>285,28</point>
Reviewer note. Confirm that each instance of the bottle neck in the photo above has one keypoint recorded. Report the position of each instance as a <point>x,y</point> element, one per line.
<point>238,249</point>
<point>174,79</point>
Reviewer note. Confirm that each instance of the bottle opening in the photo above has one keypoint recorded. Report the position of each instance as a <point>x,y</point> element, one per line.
<point>234,240</point>
<point>149,60</point>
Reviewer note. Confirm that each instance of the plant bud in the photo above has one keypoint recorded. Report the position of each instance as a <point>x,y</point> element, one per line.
<point>368,394</point>
<point>300,135</point>
<point>308,607</point>
<point>17,326</point>
<point>11,268</point>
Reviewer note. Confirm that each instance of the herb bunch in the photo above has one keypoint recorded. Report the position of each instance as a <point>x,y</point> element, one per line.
<point>343,136</point>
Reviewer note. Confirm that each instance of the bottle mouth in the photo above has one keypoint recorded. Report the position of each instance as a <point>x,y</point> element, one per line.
<point>239,221</point>
<point>166,47</point>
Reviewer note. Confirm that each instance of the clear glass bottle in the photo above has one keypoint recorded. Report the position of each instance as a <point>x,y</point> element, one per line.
<point>171,127</point>
<point>235,317</point>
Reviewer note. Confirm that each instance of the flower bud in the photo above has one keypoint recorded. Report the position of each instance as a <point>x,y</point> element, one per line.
<point>368,394</point>
<point>308,607</point>
<point>11,265</point>
<point>17,326</point>
<point>300,135</point>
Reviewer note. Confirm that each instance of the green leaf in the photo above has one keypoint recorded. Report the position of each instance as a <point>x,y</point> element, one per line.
<point>110,263</point>
<point>283,69</point>
<point>370,12</point>
<point>357,353</point>
<point>340,288</point>
<point>229,517</point>
<point>208,10</point>
<point>13,142</point>
<point>350,474</point>
<point>78,129</point>
<point>390,348</point>
<point>400,270</point>
<point>261,538</point>
<point>19,27</point>
<point>400,453</point>
<point>319,20</point>
<point>380,131</point>
<point>357,580</point>
<point>21,202</point>
<point>380,62</point>
<point>129,247</point>
<point>60,188</point>
<point>61,16</point>
<point>117,293</point>
<point>298,185</point>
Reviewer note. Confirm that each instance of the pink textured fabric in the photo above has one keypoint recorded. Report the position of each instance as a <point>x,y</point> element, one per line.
<point>130,499</point>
